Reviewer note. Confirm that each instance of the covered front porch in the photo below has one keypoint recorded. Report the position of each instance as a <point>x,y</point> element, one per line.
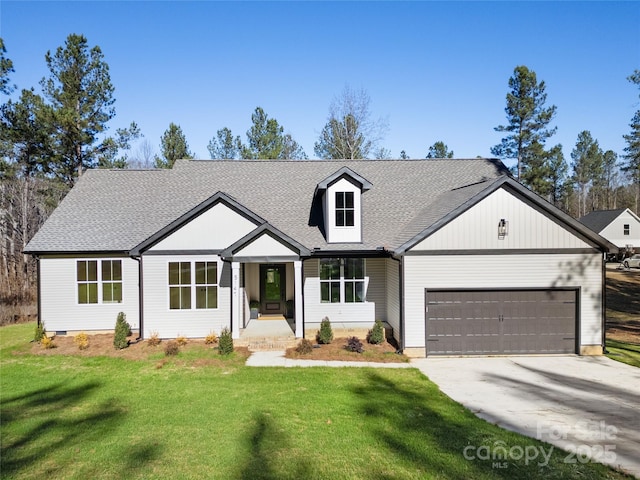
<point>266,281</point>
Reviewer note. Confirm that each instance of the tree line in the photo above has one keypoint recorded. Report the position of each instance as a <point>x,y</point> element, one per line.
<point>50,136</point>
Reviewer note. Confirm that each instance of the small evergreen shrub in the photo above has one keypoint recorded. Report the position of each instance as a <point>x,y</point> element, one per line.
<point>211,339</point>
<point>171,348</point>
<point>81,340</point>
<point>225,342</point>
<point>122,331</point>
<point>40,332</point>
<point>154,340</point>
<point>325,334</point>
<point>304,347</point>
<point>47,343</point>
<point>181,340</point>
<point>354,345</point>
<point>376,334</point>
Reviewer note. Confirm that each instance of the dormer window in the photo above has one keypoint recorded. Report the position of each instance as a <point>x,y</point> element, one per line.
<point>345,210</point>
<point>340,195</point>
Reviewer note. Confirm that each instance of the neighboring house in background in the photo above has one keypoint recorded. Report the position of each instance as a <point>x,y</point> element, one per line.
<point>454,255</point>
<point>621,227</point>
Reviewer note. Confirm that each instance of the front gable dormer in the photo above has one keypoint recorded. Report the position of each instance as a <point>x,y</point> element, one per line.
<point>342,205</point>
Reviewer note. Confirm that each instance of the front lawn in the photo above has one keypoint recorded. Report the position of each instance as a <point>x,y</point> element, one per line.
<point>103,417</point>
<point>628,353</point>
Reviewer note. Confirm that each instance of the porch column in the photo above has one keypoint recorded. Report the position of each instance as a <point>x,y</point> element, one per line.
<point>297,289</point>
<point>235,299</point>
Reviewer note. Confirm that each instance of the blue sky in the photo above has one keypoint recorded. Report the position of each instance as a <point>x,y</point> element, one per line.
<point>435,70</point>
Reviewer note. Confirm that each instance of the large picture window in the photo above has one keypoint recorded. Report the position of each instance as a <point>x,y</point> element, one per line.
<point>342,280</point>
<point>99,281</point>
<point>345,210</point>
<point>193,283</point>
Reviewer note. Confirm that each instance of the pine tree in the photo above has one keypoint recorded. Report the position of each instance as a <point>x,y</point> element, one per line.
<point>173,146</point>
<point>527,128</point>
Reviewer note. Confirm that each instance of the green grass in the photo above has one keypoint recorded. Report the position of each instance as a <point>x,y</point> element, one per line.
<point>97,417</point>
<point>628,353</point>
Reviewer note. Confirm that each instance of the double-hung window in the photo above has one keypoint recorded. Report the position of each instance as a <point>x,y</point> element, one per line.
<point>353,280</point>
<point>342,280</point>
<point>206,285</point>
<point>91,273</point>
<point>111,281</point>
<point>193,283</point>
<point>626,229</point>
<point>179,285</point>
<point>87,271</point>
<point>345,210</point>
<point>330,280</point>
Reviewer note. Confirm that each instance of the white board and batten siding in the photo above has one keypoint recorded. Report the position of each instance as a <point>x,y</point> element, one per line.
<point>60,310</point>
<point>192,323</point>
<point>477,230</point>
<point>366,312</point>
<point>215,229</point>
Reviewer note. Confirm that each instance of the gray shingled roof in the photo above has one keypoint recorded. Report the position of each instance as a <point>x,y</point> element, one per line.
<point>115,210</point>
<point>598,220</point>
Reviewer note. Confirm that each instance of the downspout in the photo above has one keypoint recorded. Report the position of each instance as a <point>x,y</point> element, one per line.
<point>140,299</point>
<point>39,290</point>
<point>400,301</point>
<point>401,298</point>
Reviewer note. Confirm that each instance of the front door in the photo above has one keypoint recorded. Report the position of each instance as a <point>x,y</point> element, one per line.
<point>272,289</point>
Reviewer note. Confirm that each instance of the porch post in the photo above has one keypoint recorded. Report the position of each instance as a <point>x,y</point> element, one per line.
<point>235,299</point>
<point>297,288</point>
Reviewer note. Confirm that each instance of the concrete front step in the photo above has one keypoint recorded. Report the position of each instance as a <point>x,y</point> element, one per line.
<point>266,343</point>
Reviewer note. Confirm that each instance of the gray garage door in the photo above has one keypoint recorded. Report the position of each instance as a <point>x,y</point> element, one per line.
<point>500,321</point>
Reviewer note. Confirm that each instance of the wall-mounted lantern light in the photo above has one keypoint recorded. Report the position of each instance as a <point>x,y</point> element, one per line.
<point>503,228</point>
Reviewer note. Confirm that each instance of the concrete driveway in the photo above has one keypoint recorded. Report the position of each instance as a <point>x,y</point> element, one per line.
<point>586,405</point>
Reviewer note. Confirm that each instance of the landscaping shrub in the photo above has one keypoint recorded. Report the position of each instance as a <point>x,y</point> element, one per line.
<point>154,340</point>
<point>122,331</point>
<point>171,348</point>
<point>304,347</point>
<point>81,340</point>
<point>40,332</point>
<point>354,345</point>
<point>211,339</point>
<point>325,334</point>
<point>376,334</point>
<point>47,342</point>
<point>225,342</point>
<point>182,340</point>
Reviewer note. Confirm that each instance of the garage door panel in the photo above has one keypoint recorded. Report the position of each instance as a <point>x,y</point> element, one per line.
<point>500,321</point>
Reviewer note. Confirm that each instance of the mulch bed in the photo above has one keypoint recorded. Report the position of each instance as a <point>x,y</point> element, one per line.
<point>383,353</point>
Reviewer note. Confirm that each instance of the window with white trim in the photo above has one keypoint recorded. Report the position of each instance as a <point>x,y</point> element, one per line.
<point>87,272</point>
<point>626,229</point>
<point>342,280</point>
<point>345,209</point>
<point>111,281</point>
<point>193,283</point>
<point>99,281</point>
<point>206,285</point>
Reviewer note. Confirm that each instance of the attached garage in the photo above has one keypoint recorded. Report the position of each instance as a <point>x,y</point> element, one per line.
<point>513,321</point>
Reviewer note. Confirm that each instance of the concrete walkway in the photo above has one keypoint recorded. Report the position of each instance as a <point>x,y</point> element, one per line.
<point>276,359</point>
